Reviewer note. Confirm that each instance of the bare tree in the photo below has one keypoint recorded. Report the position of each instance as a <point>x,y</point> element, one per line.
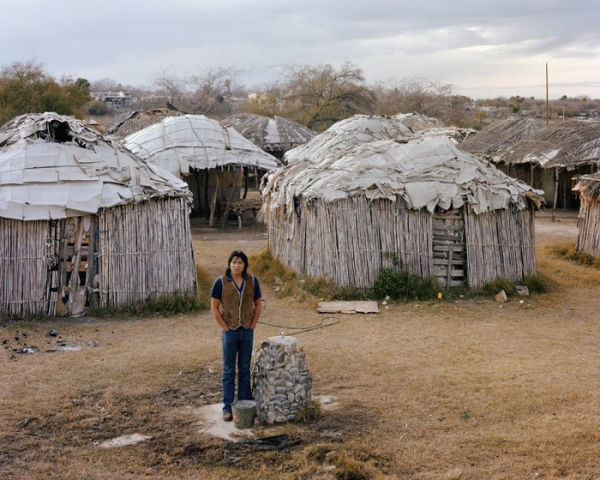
<point>171,86</point>
<point>319,96</point>
<point>212,92</point>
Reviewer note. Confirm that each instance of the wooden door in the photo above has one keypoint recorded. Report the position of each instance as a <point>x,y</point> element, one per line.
<point>76,265</point>
<point>449,263</point>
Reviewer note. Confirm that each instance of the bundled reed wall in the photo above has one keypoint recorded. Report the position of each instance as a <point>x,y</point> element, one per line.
<point>499,243</point>
<point>588,240</point>
<point>145,250</point>
<point>24,261</point>
<point>351,240</point>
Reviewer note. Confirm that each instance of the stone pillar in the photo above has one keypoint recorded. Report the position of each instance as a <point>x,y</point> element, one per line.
<point>282,383</point>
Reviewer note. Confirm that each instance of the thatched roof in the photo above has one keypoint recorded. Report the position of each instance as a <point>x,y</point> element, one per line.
<point>195,141</point>
<point>566,145</point>
<point>426,172</point>
<point>351,131</point>
<point>500,136</point>
<point>275,134</point>
<point>589,186</point>
<point>140,119</point>
<point>54,166</point>
<point>419,121</point>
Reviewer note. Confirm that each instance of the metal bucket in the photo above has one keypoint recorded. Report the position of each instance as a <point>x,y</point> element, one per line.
<point>244,412</point>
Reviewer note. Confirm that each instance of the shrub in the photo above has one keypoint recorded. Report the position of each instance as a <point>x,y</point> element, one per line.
<point>403,285</point>
<point>536,283</point>
<point>570,252</point>
<point>311,410</point>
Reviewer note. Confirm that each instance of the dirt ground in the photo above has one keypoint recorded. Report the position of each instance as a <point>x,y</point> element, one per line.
<point>470,389</point>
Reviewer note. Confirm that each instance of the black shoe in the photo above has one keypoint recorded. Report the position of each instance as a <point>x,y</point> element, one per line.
<point>227,416</point>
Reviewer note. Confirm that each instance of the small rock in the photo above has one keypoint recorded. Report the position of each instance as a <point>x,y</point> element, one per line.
<point>501,297</point>
<point>53,333</point>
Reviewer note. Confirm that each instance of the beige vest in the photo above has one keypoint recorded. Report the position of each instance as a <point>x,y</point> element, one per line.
<point>237,308</point>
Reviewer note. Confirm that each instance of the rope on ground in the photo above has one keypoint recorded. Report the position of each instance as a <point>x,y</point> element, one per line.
<point>322,324</point>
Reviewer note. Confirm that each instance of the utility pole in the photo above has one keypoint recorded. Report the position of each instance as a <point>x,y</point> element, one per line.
<point>546,93</point>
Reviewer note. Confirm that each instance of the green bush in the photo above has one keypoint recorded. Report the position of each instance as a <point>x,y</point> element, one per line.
<point>536,283</point>
<point>403,285</point>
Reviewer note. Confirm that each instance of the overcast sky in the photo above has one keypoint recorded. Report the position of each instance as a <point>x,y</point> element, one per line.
<point>483,48</point>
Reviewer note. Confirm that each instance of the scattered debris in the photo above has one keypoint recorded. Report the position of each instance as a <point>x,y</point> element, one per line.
<point>29,350</point>
<point>125,440</point>
<point>501,297</point>
<point>67,347</point>
<point>522,290</point>
<point>348,307</point>
<point>328,402</point>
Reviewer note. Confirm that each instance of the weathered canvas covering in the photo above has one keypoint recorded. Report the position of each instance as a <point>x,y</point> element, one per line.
<point>271,134</point>
<point>345,134</point>
<point>195,141</point>
<point>54,166</point>
<point>419,121</point>
<point>375,157</point>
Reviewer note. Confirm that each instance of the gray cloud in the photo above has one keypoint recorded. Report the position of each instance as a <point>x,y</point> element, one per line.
<point>460,42</point>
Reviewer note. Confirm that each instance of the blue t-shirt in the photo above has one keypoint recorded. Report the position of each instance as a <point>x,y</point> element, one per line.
<point>217,288</point>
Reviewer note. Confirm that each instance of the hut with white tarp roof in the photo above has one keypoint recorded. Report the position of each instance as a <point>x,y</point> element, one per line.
<point>588,240</point>
<point>217,162</point>
<point>83,222</point>
<point>364,196</point>
<point>274,135</point>
<point>553,157</point>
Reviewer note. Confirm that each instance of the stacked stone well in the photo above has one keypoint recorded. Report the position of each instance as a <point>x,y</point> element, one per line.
<point>282,382</point>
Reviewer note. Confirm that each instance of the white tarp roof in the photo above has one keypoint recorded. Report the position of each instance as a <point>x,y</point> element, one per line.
<point>44,178</point>
<point>426,172</point>
<point>195,141</point>
<point>419,121</point>
<point>455,134</point>
<point>344,134</point>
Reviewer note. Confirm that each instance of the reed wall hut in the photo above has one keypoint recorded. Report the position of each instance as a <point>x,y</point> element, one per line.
<point>553,157</point>
<point>588,240</point>
<point>218,163</point>
<point>274,135</point>
<point>140,119</point>
<point>85,223</point>
<point>345,210</point>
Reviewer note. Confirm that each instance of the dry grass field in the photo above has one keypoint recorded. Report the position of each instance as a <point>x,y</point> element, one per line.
<point>427,390</point>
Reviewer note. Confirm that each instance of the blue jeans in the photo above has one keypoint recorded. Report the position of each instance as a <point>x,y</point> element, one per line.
<point>236,344</point>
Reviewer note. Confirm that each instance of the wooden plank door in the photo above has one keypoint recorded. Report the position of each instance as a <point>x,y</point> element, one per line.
<point>449,265</point>
<point>74,265</point>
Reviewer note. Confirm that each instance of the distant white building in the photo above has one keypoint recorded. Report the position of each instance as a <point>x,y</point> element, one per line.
<point>118,99</point>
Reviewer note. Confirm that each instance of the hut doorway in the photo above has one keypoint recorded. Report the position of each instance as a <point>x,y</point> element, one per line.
<point>71,242</point>
<point>449,248</point>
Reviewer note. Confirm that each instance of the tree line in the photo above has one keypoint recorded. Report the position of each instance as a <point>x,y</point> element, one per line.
<point>314,95</point>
